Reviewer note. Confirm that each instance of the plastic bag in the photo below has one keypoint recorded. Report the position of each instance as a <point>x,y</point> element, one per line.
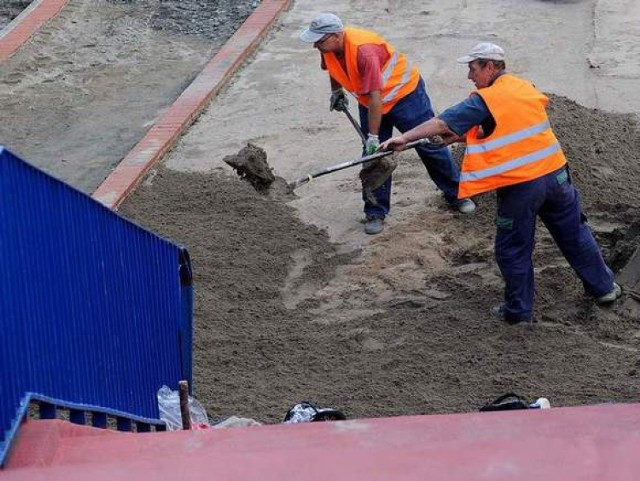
<point>305,412</point>
<point>507,402</point>
<point>169,407</point>
<point>540,403</point>
<point>236,422</point>
<point>512,401</point>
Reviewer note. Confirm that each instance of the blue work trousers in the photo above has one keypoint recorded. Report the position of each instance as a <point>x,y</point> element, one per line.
<point>554,198</point>
<point>408,113</point>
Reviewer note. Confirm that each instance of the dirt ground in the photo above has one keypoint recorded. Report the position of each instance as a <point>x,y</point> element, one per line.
<point>403,327</point>
<point>87,87</point>
<point>292,301</point>
<point>10,9</point>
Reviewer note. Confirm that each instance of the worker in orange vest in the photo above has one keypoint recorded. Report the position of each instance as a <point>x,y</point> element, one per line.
<point>511,149</point>
<point>390,93</point>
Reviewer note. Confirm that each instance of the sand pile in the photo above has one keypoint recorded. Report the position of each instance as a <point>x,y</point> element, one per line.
<point>404,327</point>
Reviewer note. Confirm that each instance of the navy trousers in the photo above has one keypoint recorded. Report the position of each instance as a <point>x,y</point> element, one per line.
<point>554,198</point>
<point>408,113</point>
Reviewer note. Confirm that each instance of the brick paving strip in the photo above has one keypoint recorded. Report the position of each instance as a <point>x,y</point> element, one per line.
<point>20,30</point>
<point>184,111</point>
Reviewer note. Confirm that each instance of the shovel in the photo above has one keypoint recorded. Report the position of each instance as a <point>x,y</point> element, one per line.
<point>376,173</point>
<point>362,160</point>
<point>356,126</point>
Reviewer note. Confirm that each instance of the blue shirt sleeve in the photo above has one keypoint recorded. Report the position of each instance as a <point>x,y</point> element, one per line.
<point>468,113</point>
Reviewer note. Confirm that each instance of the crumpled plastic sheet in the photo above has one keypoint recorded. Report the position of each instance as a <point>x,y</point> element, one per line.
<point>169,406</point>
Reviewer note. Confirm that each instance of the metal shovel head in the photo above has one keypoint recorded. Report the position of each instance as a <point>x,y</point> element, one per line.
<point>375,174</point>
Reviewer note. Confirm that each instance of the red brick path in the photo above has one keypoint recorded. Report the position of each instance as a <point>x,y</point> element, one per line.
<point>18,32</point>
<point>166,132</point>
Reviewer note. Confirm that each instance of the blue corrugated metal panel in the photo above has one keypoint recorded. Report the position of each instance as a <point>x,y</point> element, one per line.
<point>93,309</point>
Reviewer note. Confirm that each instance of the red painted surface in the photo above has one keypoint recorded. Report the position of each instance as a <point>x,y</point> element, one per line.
<point>595,443</point>
<point>34,18</point>
<point>165,133</point>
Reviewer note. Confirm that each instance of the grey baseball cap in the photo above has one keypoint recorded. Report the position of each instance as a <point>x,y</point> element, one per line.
<point>485,51</point>
<point>321,25</point>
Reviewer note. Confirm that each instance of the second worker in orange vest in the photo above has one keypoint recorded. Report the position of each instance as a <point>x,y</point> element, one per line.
<point>390,93</point>
<point>511,149</point>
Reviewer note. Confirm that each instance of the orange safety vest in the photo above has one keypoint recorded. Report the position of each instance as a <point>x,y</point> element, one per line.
<point>399,78</point>
<point>522,146</point>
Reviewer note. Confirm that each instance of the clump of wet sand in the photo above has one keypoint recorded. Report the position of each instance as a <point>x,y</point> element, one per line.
<point>251,165</point>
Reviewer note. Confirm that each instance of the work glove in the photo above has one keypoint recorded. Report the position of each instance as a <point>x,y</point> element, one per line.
<point>372,144</point>
<point>338,101</point>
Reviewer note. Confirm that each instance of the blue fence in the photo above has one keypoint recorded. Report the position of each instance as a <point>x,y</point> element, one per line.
<point>94,310</point>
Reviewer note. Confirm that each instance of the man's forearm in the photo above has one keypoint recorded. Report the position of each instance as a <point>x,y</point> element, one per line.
<point>427,129</point>
<point>374,112</point>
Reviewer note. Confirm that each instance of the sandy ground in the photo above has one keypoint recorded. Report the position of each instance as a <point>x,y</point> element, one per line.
<point>293,301</point>
<point>86,88</point>
<point>401,326</point>
<point>399,323</point>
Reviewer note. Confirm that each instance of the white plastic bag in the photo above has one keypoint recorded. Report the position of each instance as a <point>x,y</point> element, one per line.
<point>236,422</point>
<point>169,406</point>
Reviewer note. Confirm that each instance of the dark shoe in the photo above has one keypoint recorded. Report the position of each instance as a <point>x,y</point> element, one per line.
<point>615,294</point>
<point>464,206</point>
<point>374,225</point>
<point>498,313</point>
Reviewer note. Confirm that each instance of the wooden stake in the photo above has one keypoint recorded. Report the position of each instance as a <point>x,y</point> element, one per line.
<point>184,405</point>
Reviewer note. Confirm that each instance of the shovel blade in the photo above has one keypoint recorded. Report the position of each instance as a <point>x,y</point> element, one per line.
<point>377,172</point>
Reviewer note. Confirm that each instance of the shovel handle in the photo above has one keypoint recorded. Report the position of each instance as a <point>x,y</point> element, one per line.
<point>363,160</point>
<point>356,126</point>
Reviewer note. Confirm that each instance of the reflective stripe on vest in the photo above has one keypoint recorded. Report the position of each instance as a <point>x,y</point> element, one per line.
<point>508,139</point>
<point>399,78</point>
<point>507,166</point>
<point>522,146</point>
<point>386,73</point>
<point>405,79</point>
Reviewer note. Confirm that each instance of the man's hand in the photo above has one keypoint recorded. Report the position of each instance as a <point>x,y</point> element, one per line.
<point>450,137</point>
<point>372,144</point>
<point>394,143</point>
<point>338,101</point>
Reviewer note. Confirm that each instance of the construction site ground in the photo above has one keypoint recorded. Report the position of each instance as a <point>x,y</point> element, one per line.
<point>293,301</point>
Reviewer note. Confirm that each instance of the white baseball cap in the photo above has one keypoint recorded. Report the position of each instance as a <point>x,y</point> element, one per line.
<point>320,26</point>
<point>485,51</point>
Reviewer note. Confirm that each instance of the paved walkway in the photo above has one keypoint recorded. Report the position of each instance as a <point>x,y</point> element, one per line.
<point>20,30</point>
<point>592,443</point>
<point>185,110</point>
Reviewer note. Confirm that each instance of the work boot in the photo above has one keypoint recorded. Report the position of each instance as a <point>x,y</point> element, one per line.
<point>374,225</point>
<point>615,293</point>
<point>465,206</point>
<point>498,313</point>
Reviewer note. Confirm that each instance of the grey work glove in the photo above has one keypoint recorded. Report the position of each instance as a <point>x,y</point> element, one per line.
<point>338,101</point>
